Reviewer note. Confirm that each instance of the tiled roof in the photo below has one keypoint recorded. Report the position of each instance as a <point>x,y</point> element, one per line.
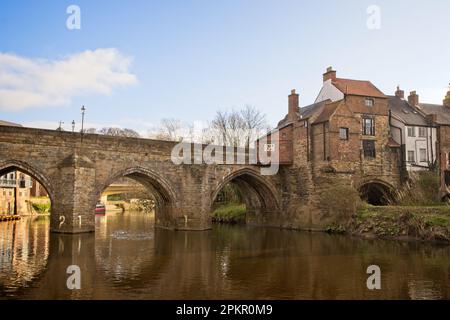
<point>358,87</point>
<point>327,112</point>
<point>392,143</point>
<point>307,112</point>
<point>442,112</point>
<point>405,113</point>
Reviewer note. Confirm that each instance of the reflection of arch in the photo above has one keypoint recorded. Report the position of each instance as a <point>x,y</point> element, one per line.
<point>160,188</point>
<point>16,165</point>
<point>258,194</point>
<point>377,192</point>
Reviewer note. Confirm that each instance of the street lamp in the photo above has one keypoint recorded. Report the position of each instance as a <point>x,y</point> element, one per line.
<point>60,126</point>
<point>73,125</point>
<point>83,110</point>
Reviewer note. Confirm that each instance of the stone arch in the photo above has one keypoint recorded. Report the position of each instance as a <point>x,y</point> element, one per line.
<point>377,192</point>
<point>165,196</point>
<point>259,195</point>
<point>11,165</point>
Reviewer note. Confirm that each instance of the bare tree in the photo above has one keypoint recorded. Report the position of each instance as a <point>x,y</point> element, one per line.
<point>170,130</point>
<point>118,132</point>
<point>238,128</point>
<point>254,122</point>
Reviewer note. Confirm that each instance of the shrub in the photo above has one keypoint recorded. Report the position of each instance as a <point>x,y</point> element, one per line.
<point>340,201</point>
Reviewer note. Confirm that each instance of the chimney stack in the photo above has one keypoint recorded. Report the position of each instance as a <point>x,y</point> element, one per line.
<point>293,105</point>
<point>413,99</point>
<point>329,75</point>
<point>446,101</point>
<point>400,93</point>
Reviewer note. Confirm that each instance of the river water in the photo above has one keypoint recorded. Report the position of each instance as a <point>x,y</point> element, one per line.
<point>128,259</point>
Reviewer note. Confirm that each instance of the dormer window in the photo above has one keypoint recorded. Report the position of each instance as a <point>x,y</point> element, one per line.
<point>369,102</point>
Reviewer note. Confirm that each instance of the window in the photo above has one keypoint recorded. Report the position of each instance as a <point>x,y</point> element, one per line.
<point>411,156</point>
<point>343,133</point>
<point>423,155</point>
<point>369,102</point>
<point>411,131</point>
<point>422,132</point>
<point>368,126</point>
<point>369,148</point>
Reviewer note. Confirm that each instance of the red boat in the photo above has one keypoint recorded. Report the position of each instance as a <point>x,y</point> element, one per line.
<point>100,208</point>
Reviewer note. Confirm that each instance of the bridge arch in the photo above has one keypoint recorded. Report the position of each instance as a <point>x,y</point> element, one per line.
<point>24,167</point>
<point>161,189</point>
<point>259,195</point>
<point>377,192</point>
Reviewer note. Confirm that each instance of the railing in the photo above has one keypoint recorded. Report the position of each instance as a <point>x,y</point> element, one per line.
<point>8,183</point>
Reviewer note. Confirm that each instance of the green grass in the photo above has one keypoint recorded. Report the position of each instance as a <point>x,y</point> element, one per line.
<point>230,213</point>
<point>41,208</point>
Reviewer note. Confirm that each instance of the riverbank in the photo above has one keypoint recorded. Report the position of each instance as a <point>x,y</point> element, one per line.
<point>229,213</point>
<point>399,223</point>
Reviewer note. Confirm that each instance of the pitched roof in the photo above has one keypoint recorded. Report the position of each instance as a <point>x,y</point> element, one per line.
<point>306,112</point>
<point>10,124</point>
<point>405,113</point>
<point>358,87</point>
<point>392,143</point>
<point>327,112</point>
<point>442,112</point>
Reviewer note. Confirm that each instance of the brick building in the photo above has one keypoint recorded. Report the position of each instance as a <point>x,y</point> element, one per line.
<point>344,137</point>
<point>354,132</point>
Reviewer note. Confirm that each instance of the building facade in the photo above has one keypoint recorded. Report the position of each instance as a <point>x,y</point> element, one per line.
<point>414,131</point>
<point>15,190</point>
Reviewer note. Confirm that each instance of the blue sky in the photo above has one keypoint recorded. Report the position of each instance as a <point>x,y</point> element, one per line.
<point>187,59</point>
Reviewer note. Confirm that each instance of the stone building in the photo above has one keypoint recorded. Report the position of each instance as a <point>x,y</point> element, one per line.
<point>343,138</point>
<point>15,193</point>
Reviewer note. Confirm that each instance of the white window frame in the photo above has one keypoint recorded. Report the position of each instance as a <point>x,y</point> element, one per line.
<point>423,154</point>
<point>412,132</point>
<point>413,156</point>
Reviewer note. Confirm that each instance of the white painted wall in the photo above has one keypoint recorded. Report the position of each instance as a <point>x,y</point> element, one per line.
<point>415,144</point>
<point>329,91</point>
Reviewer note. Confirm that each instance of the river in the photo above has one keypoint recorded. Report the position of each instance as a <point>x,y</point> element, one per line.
<point>127,258</point>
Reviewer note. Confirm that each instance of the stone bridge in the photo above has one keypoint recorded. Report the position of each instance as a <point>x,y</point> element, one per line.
<point>75,169</point>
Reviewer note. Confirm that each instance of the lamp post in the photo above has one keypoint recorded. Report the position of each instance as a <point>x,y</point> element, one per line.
<point>60,126</point>
<point>73,125</point>
<point>83,110</point>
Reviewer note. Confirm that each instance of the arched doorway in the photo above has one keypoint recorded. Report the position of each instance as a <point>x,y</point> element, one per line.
<point>252,191</point>
<point>156,188</point>
<point>377,193</point>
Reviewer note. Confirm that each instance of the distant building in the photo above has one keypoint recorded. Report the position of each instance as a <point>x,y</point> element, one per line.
<point>15,193</point>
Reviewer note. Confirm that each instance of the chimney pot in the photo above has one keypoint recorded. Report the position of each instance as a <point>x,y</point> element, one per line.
<point>400,93</point>
<point>413,98</point>
<point>329,75</point>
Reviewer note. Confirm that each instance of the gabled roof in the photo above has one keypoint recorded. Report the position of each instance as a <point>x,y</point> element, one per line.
<point>404,112</point>
<point>327,112</point>
<point>307,112</point>
<point>358,87</point>
<point>10,124</point>
<point>442,112</point>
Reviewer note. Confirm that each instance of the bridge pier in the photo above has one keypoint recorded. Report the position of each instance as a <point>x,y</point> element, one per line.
<point>72,210</point>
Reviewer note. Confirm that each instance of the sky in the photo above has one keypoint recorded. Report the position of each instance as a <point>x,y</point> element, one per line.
<point>134,63</point>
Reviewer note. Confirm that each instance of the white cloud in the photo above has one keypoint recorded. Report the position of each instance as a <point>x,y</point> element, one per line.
<point>27,83</point>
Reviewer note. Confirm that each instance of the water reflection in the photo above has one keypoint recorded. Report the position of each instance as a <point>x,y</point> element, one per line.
<point>128,259</point>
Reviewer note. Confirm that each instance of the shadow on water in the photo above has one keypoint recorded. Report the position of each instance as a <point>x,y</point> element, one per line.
<point>128,259</point>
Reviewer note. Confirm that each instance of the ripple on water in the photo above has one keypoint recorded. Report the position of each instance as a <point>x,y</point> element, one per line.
<point>133,236</point>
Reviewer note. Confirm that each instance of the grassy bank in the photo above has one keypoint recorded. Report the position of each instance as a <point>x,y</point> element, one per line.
<point>229,213</point>
<point>402,222</point>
